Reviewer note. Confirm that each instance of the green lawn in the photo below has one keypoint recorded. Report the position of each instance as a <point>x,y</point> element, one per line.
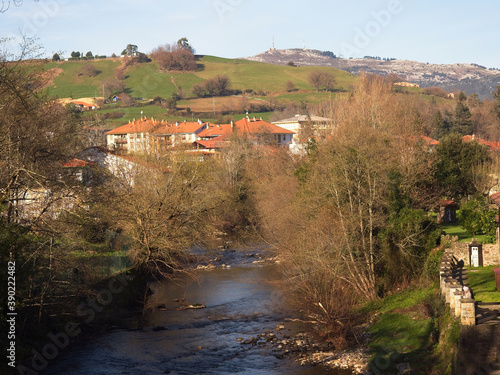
<point>405,331</point>
<point>147,80</point>
<point>482,283</point>
<point>455,229</point>
<point>70,84</point>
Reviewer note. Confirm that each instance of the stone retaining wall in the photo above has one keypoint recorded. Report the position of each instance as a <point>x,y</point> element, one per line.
<point>479,346</point>
<point>452,278</point>
<point>491,253</point>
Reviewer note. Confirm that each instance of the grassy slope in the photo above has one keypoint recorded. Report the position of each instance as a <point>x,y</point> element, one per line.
<point>146,80</point>
<point>412,327</point>
<point>455,229</point>
<point>69,84</point>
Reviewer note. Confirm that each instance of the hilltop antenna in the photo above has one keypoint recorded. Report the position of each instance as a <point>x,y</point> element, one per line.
<point>303,44</point>
<point>273,49</point>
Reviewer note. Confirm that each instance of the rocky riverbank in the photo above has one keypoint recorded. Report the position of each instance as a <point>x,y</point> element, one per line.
<point>309,351</point>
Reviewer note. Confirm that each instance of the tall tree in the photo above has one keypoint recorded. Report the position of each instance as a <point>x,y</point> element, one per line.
<point>457,163</point>
<point>183,43</point>
<point>496,99</point>
<point>462,123</point>
<point>36,137</point>
<point>130,50</point>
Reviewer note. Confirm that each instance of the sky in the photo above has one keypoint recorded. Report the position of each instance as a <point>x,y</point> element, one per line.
<point>433,31</point>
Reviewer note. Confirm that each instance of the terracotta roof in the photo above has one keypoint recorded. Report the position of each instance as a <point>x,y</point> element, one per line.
<point>83,103</point>
<point>179,128</point>
<point>140,126</point>
<point>254,126</point>
<point>427,140</point>
<point>490,144</point>
<point>76,163</point>
<point>448,203</point>
<point>215,131</point>
<point>212,143</point>
<point>495,198</point>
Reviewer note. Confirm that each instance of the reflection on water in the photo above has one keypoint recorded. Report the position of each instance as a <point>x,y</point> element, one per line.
<point>239,304</point>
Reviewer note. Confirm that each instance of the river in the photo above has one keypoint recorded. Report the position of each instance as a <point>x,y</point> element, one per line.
<point>240,303</point>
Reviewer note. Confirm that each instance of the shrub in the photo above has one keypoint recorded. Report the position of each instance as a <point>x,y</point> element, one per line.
<point>217,86</point>
<point>476,218</point>
<point>89,70</point>
<point>290,86</point>
<point>174,58</point>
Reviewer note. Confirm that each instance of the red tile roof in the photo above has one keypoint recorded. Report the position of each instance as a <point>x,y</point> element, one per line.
<point>448,203</point>
<point>76,163</point>
<point>215,131</point>
<point>179,128</point>
<point>254,126</point>
<point>490,144</point>
<point>84,104</point>
<point>427,140</point>
<point>495,198</point>
<point>144,125</point>
<point>217,142</point>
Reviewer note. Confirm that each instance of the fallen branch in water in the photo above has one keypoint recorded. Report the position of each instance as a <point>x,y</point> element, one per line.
<point>304,321</point>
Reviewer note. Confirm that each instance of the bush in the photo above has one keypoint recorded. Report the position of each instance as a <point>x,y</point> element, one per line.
<point>320,79</point>
<point>432,264</point>
<point>475,217</point>
<point>290,86</point>
<point>436,91</point>
<point>173,58</point>
<point>89,70</point>
<point>217,86</point>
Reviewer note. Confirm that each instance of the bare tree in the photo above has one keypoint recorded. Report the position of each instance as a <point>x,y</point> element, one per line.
<point>321,79</point>
<point>165,210</point>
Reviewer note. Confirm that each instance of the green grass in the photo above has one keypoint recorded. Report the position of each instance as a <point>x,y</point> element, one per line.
<point>482,283</point>
<point>267,77</point>
<point>70,84</point>
<point>455,229</point>
<point>406,330</point>
<point>147,81</point>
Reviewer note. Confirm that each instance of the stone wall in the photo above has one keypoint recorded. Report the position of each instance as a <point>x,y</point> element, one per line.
<point>491,253</point>
<point>479,346</point>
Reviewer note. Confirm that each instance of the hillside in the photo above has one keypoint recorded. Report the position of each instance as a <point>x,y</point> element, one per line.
<point>452,77</point>
<point>65,79</point>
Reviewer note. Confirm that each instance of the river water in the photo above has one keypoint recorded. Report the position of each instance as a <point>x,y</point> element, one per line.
<point>240,304</point>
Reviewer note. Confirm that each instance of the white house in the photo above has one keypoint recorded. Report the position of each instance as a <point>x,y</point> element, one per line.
<point>297,123</point>
<point>134,137</point>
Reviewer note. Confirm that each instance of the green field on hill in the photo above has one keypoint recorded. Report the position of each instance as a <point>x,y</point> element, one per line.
<point>70,84</point>
<point>148,81</point>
